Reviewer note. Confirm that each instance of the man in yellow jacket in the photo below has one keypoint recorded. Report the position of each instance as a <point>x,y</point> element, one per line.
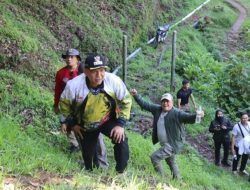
<point>98,102</point>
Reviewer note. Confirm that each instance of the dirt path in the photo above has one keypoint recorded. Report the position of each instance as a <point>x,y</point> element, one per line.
<point>233,35</point>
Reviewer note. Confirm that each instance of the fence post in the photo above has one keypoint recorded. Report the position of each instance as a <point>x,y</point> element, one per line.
<point>172,85</point>
<point>124,59</point>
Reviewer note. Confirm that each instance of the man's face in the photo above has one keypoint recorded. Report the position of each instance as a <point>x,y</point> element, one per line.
<point>71,60</point>
<point>166,105</point>
<point>186,86</point>
<point>244,119</point>
<point>95,76</point>
<point>220,114</point>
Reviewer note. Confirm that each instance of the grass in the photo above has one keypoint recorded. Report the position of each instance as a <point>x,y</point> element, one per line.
<point>23,158</point>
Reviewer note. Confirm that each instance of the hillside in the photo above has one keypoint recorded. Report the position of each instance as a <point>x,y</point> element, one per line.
<point>33,34</point>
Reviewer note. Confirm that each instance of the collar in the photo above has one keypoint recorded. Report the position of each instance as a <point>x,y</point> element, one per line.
<point>96,90</point>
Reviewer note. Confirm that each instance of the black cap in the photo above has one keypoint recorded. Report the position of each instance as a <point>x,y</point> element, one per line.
<point>94,61</point>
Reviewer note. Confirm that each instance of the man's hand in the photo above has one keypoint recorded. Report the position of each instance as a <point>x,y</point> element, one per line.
<point>200,113</point>
<point>117,134</point>
<point>223,127</point>
<point>133,92</point>
<point>64,128</point>
<point>78,130</point>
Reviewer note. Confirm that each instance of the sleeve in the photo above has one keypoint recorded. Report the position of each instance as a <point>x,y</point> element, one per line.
<point>187,117</point>
<point>146,105</point>
<point>124,109</point>
<point>212,127</point>
<point>58,90</point>
<point>66,101</point>
<point>124,101</point>
<point>178,95</point>
<point>229,125</point>
<point>191,91</point>
<point>235,130</point>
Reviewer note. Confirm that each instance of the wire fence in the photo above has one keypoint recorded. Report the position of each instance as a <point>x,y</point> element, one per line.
<point>135,52</point>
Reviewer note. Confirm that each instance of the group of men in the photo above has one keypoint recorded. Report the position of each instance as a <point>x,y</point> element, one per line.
<point>93,102</point>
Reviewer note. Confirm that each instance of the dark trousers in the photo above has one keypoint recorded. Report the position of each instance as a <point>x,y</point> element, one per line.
<point>217,143</point>
<point>88,147</point>
<point>244,158</point>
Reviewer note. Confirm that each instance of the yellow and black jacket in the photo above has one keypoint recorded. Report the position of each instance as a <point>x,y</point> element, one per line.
<point>91,110</point>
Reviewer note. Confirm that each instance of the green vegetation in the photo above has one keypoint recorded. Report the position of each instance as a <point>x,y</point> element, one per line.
<point>33,35</point>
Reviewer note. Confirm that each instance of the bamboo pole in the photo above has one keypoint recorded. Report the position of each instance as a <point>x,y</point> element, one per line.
<point>124,59</point>
<point>172,82</point>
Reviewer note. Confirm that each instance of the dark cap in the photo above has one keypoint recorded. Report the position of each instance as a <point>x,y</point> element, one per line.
<point>94,61</point>
<point>71,52</point>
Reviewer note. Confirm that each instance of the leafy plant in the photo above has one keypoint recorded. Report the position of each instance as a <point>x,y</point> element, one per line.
<point>234,90</point>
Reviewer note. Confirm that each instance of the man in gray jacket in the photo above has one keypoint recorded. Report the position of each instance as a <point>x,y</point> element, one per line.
<point>167,129</point>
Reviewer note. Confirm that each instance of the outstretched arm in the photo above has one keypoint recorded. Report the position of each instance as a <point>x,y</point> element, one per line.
<point>179,103</point>
<point>142,103</point>
<point>193,100</point>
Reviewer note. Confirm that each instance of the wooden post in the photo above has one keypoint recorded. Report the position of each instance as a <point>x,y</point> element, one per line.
<point>124,59</point>
<point>172,85</point>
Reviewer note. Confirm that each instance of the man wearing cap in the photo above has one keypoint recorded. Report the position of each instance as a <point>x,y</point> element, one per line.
<point>103,105</point>
<point>183,97</point>
<point>72,69</point>
<point>167,129</point>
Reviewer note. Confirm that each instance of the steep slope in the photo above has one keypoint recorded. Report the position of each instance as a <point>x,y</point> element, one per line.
<point>33,34</point>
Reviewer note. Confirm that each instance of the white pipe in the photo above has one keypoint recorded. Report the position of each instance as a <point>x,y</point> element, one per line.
<point>152,39</point>
<point>189,14</point>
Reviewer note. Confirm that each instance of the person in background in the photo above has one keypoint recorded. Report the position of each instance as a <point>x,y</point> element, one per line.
<point>183,97</point>
<point>168,129</point>
<point>72,69</point>
<point>103,105</point>
<point>201,24</point>
<point>220,127</point>
<point>240,130</point>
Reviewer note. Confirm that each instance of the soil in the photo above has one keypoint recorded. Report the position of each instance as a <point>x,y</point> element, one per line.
<point>34,183</point>
<point>234,34</point>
